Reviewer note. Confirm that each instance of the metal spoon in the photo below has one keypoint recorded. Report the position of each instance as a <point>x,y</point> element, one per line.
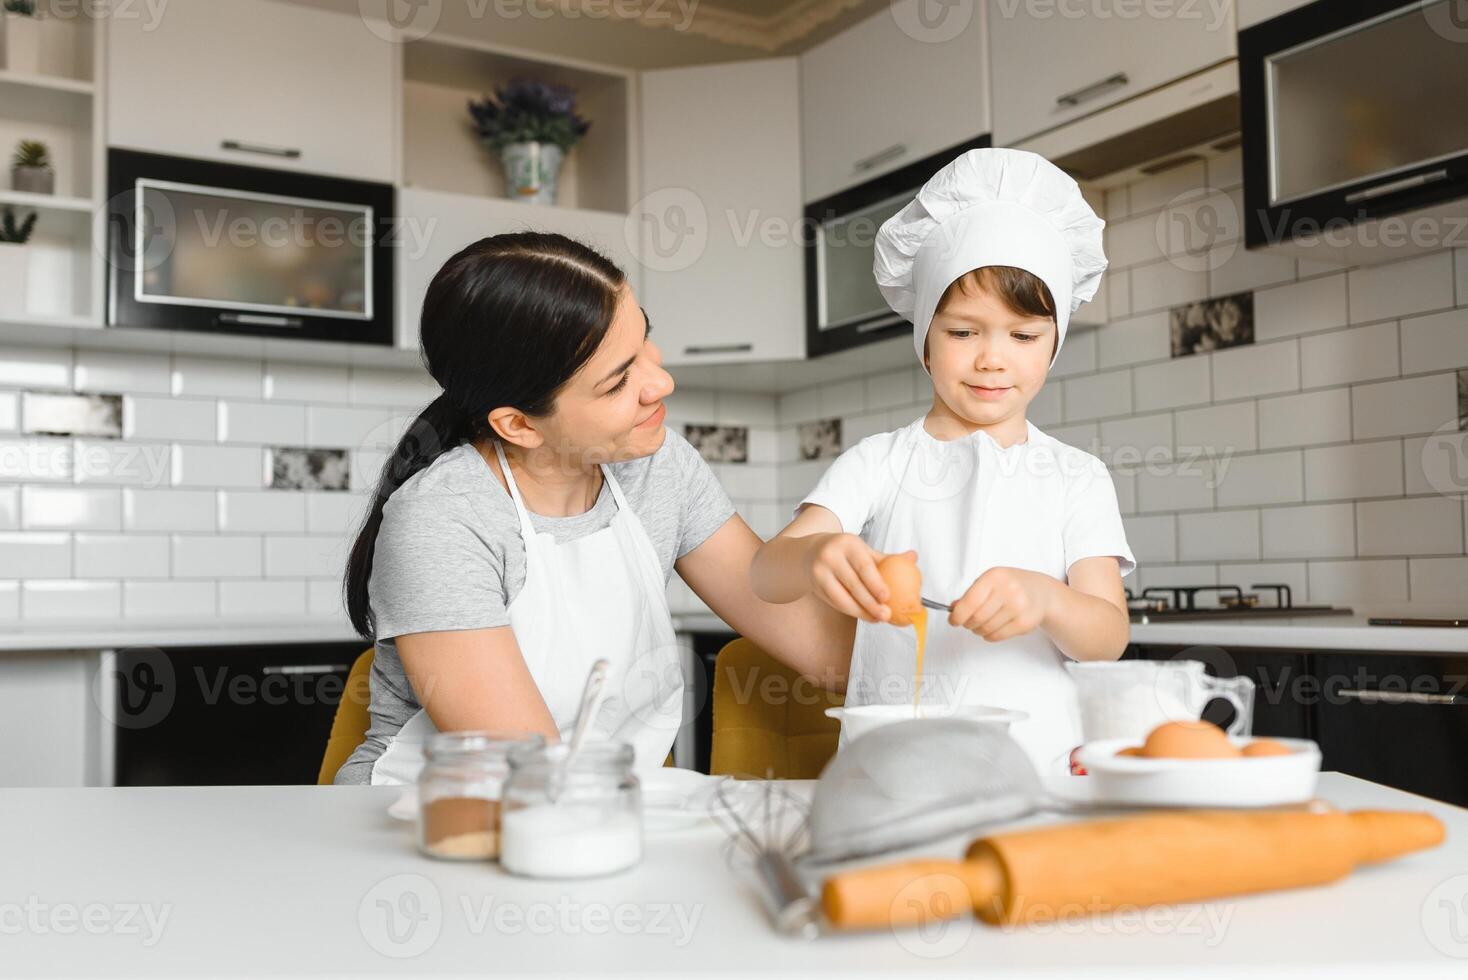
<point>936,605</point>
<point>591,700</point>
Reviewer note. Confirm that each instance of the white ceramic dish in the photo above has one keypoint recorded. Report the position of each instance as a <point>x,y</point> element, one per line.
<point>857,721</point>
<point>1272,780</point>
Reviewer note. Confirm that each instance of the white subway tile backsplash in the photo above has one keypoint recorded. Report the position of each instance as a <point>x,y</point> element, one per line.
<point>1133,242</point>
<point>71,600</point>
<point>9,508</point>
<point>1397,289</point>
<point>854,429</point>
<point>1169,283</point>
<point>1432,343</point>
<point>117,371</point>
<point>1437,463</point>
<point>692,405</point>
<point>1154,576</point>
<point>1134,340</point>
<point>327,383</point>
<point>764,444</point>
<point>186,419</point>
<point>211,556</point>
<point>1311,531</point>
<point>321,556</point>
<point>1175,487</point>
<point>281,511</point>
<point>9,601</point>
<point>1139,438</point>
<point>1256,369</point>
<point>1077,355</point>
<point>36,460</point>
<point>216,376</point>
<point>1116,203</point>
<point>1159,191</point>
<point>349,428</point>
<point>1235,269</point>
<point>28,555</point>
<point>1152,538</point>
<point>1307,419</point>
<point>803,405</point>
<point>744,408</point>
<point>70,509</point>
<point>1047,407</point>
<point>1118,293</point>
<point>111,463</point>
<point>1267,478</point>
<point>1343,356</point>
<point>1172,384</point>
<point>1300,307</point>
<point>412,388</point>
<point>262,423</point>
<point>335,513</point>
<point>9,411</point>
<point>324,597</point>
<point>890,389</point>
<point>1349,472</point>
<point>1098,396</point>
<point>1086,436</point>
<point>34,367</point>
<point>1224,534</point>
<point>1126,491</point>
<point>1411,526</point>
<point>843,397</point>
<point>168,510</point>
<point>218,466</point>
<point>1217,429</point>
<point>1410,406</point>
<point>1438,579</point>
<point>263,598</point>
<point>121,556</point>
<point>1380,580</point>
<point>169,600</point>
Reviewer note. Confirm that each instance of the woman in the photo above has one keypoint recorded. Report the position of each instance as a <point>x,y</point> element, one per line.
<point>528,521</point>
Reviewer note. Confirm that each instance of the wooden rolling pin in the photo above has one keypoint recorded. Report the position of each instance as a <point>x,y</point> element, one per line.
<point>1175,856</point>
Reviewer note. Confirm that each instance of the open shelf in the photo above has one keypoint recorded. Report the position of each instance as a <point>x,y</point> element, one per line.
<point>44,202</point>
<point>441,151</point>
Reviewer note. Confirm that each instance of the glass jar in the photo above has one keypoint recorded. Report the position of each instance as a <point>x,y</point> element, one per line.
<point>576,820</point>
<point>459,790</point>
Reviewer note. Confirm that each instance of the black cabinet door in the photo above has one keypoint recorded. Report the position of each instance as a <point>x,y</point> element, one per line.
<point>226,715</point>
<point>1399,720</point>
<point>1283,684</point>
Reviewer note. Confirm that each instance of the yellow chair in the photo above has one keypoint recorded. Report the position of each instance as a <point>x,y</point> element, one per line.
<point>349,727</point>
<point>768,720</point>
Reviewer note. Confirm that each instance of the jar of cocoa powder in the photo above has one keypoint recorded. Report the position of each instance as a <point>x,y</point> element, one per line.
<point>459,792</point>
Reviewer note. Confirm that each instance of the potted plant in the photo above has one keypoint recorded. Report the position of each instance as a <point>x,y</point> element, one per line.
<point>532,125</point>
<point>30,168</point>
<point>13,236</point>
<point>36,44</point>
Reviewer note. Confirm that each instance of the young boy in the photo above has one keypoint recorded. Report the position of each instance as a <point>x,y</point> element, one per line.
<point>1019,532</point>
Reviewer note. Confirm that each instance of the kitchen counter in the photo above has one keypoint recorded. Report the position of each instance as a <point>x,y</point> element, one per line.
<point>82,635</point>
<point>297,880</point>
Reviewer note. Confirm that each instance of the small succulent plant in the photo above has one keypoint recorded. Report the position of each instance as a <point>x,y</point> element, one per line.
<point>31,153</point>
<point>25,8</point>
<point>13,232</point>
<point>526,111</point>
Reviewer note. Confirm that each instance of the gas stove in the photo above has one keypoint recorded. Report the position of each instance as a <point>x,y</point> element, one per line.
<point>1176,603</point>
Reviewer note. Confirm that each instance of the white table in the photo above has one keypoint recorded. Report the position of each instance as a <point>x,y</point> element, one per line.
<point>301,880</point>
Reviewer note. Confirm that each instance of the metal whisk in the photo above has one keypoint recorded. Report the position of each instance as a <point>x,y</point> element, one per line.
<point>768,827</point>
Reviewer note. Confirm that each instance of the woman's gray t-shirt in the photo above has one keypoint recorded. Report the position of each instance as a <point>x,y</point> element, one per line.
<point>449,556</point>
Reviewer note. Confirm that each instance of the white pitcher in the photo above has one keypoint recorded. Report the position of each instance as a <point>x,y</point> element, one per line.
<point>1129,698</point>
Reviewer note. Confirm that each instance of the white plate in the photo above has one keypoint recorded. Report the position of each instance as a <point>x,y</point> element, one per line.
<point>1271,780</point>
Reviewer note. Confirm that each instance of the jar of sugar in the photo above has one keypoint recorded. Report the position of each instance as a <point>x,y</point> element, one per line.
<point>459,790</point>
<point>576,819</point>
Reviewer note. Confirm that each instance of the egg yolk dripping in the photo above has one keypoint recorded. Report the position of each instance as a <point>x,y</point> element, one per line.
<point>905,582</point>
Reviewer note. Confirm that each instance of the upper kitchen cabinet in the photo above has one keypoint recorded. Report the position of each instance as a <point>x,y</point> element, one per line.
<point>268,83</point>
<point>1056,63</point>
<point>720,216</point>
<point>891,90</point>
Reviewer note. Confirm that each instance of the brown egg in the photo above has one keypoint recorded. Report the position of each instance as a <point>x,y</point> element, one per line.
<point>901,574</point>
<point>1130,750</point>
<point>1189,740</point>
<point>1265,746</point>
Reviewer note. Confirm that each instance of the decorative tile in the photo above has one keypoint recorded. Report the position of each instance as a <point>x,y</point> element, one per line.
<point>719,443</point>
<point>300,468</point>
<point>1225,321</point>
<point>72,415</point>
<point>820,439</point>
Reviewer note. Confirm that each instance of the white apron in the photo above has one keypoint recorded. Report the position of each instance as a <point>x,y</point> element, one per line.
<point>602,595</point>
<point>966,506</point>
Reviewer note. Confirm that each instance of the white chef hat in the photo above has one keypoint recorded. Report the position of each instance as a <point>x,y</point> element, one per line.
<point>990,207</point>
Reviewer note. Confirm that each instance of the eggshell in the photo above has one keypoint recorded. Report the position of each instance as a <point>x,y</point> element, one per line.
<point>1265,746</point>
<point>1189,740</point>
<point>905,582</point>
<point>1130,750</point>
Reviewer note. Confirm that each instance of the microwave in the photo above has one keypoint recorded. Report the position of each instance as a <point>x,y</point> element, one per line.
<point>843,307</point>
<point>225,248</point>
<point>1352,120</point>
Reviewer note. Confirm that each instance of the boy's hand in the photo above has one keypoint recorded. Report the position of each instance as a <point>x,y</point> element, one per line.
<point>1003,603</point>
<point>842,570</point>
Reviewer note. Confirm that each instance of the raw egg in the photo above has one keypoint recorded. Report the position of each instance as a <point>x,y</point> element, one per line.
<point>905,582</point>
<point>1130,750</point>
<point>1189,740</point>
<point>1265,746</point>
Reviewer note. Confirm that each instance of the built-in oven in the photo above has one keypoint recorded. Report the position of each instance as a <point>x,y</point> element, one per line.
<point>1352,115</point>
<point>844,308</point>
<point>224,248</point>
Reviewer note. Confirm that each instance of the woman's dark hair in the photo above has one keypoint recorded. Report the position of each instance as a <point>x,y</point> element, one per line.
<point>1023,292</point>
<point>506,322</point>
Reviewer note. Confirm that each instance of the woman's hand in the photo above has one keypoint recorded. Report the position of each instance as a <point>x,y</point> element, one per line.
<point>842,571</point>
<point>1004,603</point>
